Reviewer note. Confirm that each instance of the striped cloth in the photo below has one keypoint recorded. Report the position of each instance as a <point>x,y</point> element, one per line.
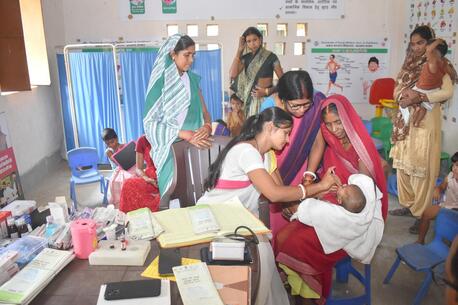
<point>166,99</point>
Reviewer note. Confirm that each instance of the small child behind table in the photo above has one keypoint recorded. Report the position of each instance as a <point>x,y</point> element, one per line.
<point>450,186</point>
<point>119,175</point>
<point>236,117</point>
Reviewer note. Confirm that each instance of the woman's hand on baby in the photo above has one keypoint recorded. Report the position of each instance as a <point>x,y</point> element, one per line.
<point>409,97</point>
<point>307,180</point>
<point>289,211</point>
<point>330,179</point>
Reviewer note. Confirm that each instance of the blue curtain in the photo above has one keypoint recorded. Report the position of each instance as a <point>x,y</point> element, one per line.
<point>66,115</point>
<point>136,68</point>
<point>94,91</point>
<point>207,64</point>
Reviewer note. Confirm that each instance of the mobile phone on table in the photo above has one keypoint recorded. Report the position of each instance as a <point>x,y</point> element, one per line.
<point>132,289</point>
<point>168,258</point>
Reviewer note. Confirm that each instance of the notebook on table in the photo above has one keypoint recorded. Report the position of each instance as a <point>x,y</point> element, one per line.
<point>125,157</point>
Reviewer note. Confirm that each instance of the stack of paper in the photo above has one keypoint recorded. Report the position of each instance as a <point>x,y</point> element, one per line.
<point>25,285</point>
<point>143,225</point>
<point>228,216</point>
<point>8,266</point>
<point>196,286</point>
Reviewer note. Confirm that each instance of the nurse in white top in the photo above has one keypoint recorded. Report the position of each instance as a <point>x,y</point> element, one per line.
<point>239,171</point>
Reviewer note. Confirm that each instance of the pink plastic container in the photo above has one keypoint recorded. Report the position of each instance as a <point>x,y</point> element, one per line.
<point>84,237</point>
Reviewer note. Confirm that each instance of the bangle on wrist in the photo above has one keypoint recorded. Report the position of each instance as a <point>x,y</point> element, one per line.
<point>309,173</point>
<point>267,91</point>
<point>303,191</point>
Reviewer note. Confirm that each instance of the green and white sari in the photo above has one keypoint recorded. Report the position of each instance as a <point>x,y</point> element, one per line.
<point>166,100</point>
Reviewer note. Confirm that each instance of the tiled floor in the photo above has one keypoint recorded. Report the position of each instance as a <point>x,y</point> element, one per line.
<point>400,291</point>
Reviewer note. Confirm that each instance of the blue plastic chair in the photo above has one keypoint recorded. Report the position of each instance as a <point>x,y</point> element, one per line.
<point>343,269</point>
<point>424,258</point>
<point>83,165</point>
<point>377,142</point>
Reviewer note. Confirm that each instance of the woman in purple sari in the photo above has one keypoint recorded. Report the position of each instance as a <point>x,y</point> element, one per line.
<point>297,97</point>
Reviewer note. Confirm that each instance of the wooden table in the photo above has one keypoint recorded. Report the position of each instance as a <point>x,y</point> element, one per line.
<point>79,283</point>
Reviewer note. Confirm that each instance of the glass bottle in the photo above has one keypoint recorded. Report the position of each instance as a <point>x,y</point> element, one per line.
<point>22,227</point>
<point>12,229</point>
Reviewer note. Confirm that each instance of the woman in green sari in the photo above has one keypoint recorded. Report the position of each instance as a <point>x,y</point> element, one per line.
<point>175,108</point>
<point>252,71</point>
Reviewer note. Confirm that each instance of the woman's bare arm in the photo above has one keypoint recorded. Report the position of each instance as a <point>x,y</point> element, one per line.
<point>278,193</point>
<point>316,153</point>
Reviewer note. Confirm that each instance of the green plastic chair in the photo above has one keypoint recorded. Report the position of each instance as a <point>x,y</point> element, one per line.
<point>381,129</point>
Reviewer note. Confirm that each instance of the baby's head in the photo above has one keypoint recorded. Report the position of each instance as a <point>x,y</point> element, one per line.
<point>352,198</point>
<point>439,46</point>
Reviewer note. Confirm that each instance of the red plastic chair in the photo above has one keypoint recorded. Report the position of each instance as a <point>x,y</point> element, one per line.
<point>381,95</point>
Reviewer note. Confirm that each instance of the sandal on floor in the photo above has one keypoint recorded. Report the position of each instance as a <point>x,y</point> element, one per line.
<point>400,212</point>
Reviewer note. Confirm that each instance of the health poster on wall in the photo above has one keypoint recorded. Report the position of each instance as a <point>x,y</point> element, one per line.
<point>441,16</point>
<point>347,67</point>
<point>10,184</point>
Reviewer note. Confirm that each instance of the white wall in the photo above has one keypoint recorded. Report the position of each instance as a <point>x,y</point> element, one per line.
<point>94,21</point>
<point>68,21</point>
<point>33,117</point>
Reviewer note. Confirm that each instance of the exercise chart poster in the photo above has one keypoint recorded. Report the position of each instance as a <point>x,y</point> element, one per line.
<point>347,67</point>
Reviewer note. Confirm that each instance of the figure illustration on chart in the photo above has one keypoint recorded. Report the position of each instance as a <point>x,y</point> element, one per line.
<point>332,67</point>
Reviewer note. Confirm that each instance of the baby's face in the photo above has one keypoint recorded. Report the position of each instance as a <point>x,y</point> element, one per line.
<point>342,193</point>
<point>346,194</point>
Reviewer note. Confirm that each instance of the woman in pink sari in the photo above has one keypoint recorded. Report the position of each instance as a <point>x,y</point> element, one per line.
<point>350,149</point>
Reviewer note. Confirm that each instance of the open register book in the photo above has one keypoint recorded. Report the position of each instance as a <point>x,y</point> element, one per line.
<point>179,230</point>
